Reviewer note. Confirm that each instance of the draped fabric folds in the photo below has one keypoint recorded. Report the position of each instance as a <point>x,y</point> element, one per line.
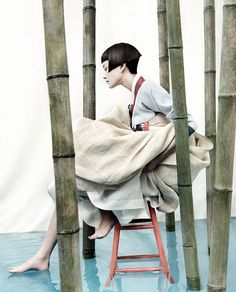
<point>110,158</point>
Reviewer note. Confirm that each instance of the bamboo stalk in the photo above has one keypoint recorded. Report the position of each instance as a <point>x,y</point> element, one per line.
<point>89,66</point>
<point>163,44</point>
<point>182,146</point>
<point>63,148</point>
<point>88,245</point>
<point>89,71</point>
<point>225,143</point>
<point>210,102</point>
<point>164,74</point>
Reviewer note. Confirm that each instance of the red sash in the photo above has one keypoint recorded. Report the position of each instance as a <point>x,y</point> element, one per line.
<point>136,89</point>
<point>144,126</point>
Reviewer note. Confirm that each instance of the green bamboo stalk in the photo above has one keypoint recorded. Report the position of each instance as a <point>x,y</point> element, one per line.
<point>182,146</point>
<point>225,143</point>
<point>164,74</point>
<point>210,102</point>
<point>89,71</point>
<point>89,66</point>
<point>63,148</point>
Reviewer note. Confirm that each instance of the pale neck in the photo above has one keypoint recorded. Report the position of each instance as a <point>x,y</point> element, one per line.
<point>127,80</point>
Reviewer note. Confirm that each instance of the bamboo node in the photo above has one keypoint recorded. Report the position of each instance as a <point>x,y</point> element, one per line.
<point>175,47</point>
<point>63,155</point>
<point>164,57</point>
<point>215,288</point>
<point>65,232</point>
<point>210,71</point>
<point>229,6</point>
<point>194,283</point>
<point>161,11</point>
<point>58,75</point>
<point>188,246</point>
<point>211,136</point>
<point>184,186</point>
<point>209,7</point>
<point>180,117</point>
<point>89,7</point>
<point>227,96</point>
<point>89,65</point>
<point>225,190</point>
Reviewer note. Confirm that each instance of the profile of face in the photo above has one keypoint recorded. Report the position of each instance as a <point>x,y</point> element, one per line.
<point>114,77</point>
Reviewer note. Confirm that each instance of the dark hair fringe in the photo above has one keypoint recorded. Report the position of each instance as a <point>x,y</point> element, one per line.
<point>122,53</point>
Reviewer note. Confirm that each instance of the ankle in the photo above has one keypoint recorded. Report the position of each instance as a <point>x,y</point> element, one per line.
<point>107,214</point>
<point>42,256</point>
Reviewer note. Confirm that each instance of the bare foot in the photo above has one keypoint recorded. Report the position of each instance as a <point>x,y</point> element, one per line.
<point>35,263</point>
<point>105,226</point>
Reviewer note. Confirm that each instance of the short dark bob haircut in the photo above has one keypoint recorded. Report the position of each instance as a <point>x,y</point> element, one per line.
<point>122,53</point>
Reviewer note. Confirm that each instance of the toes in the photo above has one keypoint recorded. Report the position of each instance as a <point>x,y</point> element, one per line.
<point>96,235</point>
<point>32,264</point>
<point>93,236</point>
<point>12,270</point>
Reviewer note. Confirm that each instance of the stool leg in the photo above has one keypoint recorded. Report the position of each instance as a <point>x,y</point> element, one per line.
<point>114,253</point>
<point>160,244</point>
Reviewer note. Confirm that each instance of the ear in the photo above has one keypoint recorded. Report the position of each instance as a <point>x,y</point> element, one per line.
<point>122,67</point>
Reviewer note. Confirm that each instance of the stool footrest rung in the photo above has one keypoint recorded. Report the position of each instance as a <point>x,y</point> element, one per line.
<point>162,264</point>
<point>141,256</point>
<point>136,227</point>
<point>141,220</point>
<point>134,270</point>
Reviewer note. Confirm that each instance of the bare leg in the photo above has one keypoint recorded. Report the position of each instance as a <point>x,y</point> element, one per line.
<point>105,226</point>
<point>40,261</point>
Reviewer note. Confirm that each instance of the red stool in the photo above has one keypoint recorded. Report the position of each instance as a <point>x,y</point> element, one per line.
<point>153,224</point>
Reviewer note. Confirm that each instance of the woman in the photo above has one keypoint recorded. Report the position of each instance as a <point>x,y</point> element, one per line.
<point>127,157</point>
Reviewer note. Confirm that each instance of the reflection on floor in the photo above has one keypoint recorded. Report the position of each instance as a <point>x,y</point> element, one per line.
<point>15,248</point>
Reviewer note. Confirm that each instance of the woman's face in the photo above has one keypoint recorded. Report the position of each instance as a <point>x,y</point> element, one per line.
<point>112,78</point>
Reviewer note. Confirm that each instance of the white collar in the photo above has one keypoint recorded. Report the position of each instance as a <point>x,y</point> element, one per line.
<point>136,78</point>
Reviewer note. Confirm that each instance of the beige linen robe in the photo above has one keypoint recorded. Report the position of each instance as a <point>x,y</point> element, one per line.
<point>109,161</point>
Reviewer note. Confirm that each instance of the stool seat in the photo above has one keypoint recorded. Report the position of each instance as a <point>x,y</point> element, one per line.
<point>150,223</point>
